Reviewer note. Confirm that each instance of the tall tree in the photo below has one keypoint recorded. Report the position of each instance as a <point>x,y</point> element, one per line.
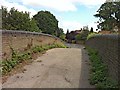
<point>47,22</point>
<point>91,30</point>
<point>67,34</point>
<point>109,15</point>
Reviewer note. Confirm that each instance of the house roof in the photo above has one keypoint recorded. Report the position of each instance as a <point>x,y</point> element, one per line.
<point>104,32</point>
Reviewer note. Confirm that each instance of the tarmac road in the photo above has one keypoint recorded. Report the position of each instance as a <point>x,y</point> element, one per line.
<point>57,68</point>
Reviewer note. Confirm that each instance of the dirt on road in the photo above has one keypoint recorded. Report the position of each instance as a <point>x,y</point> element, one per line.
<point>57,68</point>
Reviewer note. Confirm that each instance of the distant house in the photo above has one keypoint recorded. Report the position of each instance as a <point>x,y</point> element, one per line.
<point>78,31</point>
<point>72,34</point>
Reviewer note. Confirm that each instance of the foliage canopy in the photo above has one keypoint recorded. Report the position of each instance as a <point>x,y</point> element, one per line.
<point>16,20</point>
<point>109,16</point>
<point>47,22</point>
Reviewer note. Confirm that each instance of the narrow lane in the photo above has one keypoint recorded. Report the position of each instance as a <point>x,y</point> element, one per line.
<point>57,68</point>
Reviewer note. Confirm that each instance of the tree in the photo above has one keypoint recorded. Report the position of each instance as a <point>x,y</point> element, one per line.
<point>47,22</point>
<point>91,30</point>
<point>18,20</point>
<point>4,17</point>
<point>59,32</point>
<point>84,34</point>
<point>15,20</point>
<point>33,26</point>
<point>67,34</point>
<point>109,15</point>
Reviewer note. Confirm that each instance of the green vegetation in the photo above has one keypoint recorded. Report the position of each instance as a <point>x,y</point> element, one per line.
<point>77,35</point>
<point>48,23</point>
<point>15,20</point>
<point>60,33</point>
<point>99,72</point>
<point>109,15</point>
<point>43,21</point>
<point>8,65</point>
<point>82,36</point>
<point>62,37</point>
<point>91,35</point>
<point>46,47</point>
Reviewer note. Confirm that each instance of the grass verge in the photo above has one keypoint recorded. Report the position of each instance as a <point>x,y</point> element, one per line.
<point>99,72</point>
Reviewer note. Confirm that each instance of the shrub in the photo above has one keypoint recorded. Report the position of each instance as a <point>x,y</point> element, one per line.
<point>91,35</point>
<point>82,36</point>
<point>108,83</point>
<point>62,37</point>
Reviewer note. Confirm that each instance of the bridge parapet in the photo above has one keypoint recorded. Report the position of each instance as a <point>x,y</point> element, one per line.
<point>23,40</point>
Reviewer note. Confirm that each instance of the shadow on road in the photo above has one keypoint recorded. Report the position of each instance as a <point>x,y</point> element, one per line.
<point>85,70</point>
<point>85,67</point>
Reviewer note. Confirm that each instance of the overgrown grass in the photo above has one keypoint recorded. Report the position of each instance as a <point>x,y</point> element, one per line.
<point>99,72</point>
<point>8,65</point>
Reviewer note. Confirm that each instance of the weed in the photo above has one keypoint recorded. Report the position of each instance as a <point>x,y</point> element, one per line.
<point>99,71</point>
<point>39,60</point>
<point>8,65</point>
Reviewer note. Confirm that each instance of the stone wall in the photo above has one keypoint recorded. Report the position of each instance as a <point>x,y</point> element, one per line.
<point>108,47</point>
<point>23,40</point>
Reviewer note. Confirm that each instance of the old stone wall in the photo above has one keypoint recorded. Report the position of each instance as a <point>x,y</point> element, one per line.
<point>23,40</point>
<point>108,47</point>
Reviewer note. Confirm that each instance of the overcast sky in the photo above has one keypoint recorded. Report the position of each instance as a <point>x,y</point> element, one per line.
<point>71,14</point>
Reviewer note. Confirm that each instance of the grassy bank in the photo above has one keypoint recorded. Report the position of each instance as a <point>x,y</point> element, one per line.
<point>99,75</point>
<point>17,58</point>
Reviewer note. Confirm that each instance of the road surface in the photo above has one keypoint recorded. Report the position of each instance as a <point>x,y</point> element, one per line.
<point>57,68</point>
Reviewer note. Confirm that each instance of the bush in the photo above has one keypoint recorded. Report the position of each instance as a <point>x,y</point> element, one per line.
<point>37,49</point>
<point>82,36</point>
<point>62,37</point>
<point>91,35</point>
